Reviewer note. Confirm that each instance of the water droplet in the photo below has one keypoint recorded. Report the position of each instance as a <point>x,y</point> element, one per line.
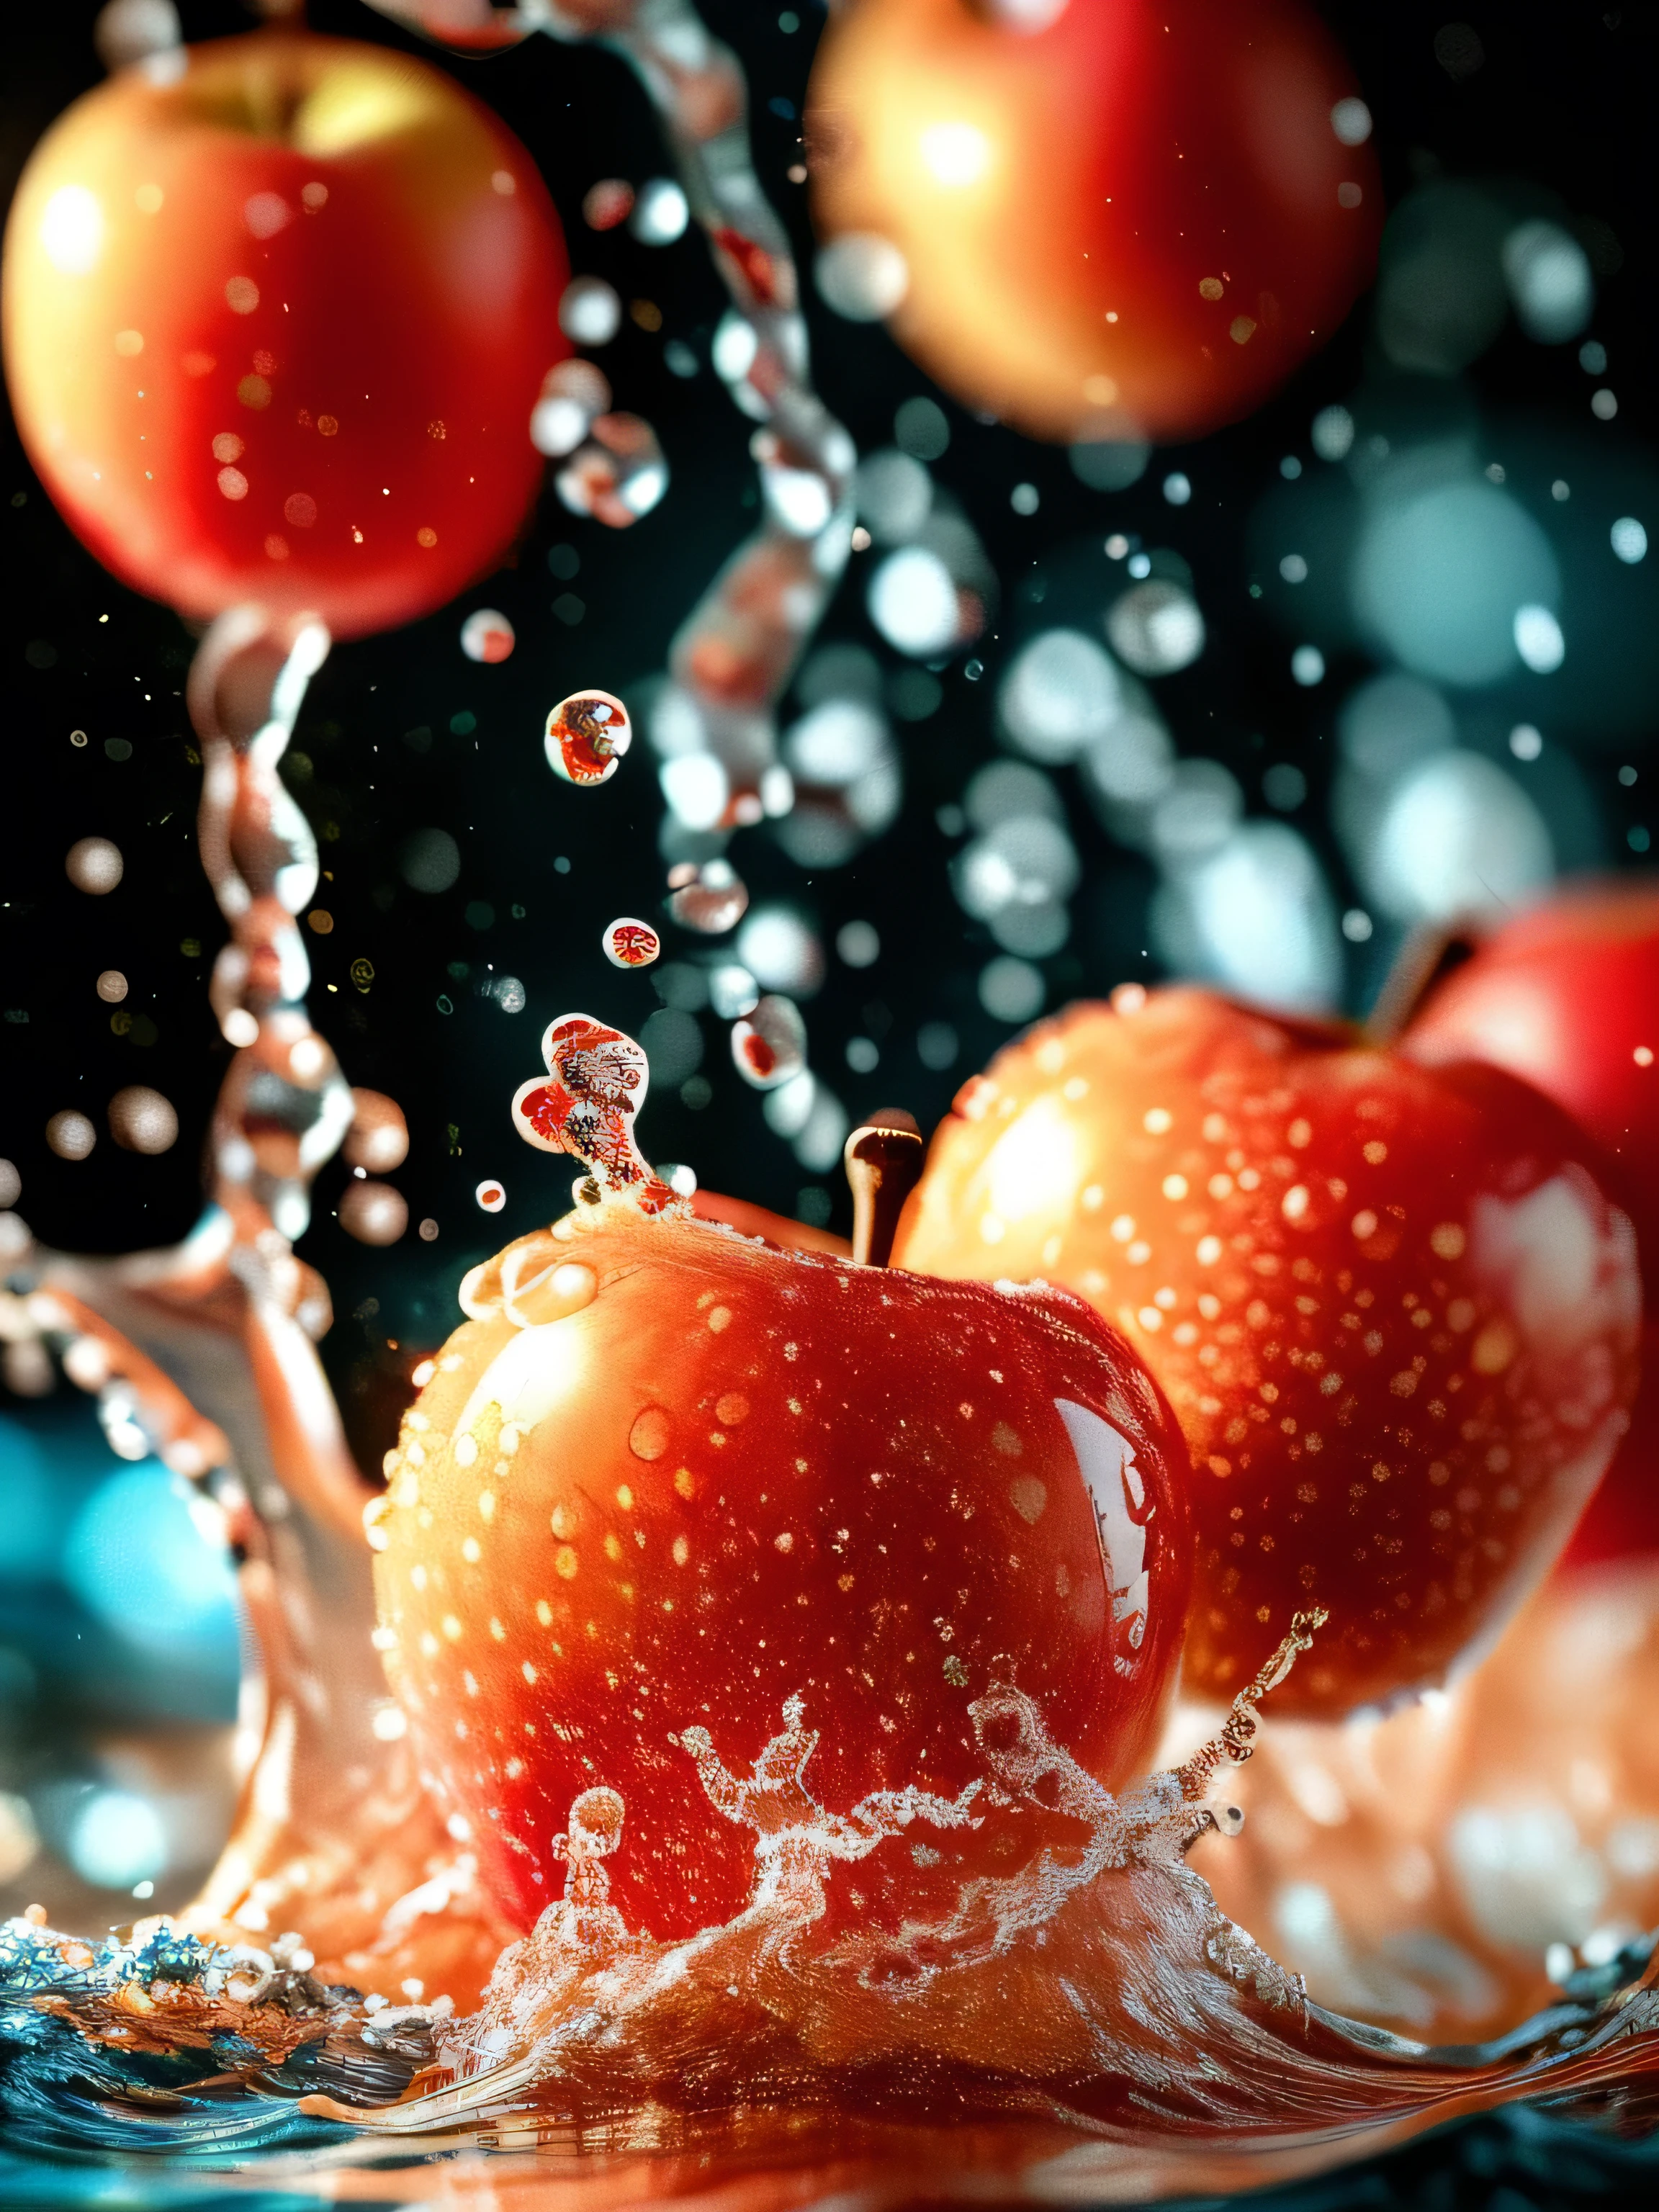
<point>590,312</point>
<point>374,1213</point>
<point>629,943</point>
<point>662,214</point>
<point>862,276</point>
<point>142,1121</point>
<point>710,899</point>
<point>769,1048</point>
<point>378,1139</point>
<point>486,635</point>
<point>586,736</point>
<point>599,1079</point>
<point>648,1438</point>
<point>266,214</point>
<point>429,861</point>
<point>732,991</point>
<point>607,204</point>
<point>70,1135</point>
<point>92,864</point>
<point>573,396</point>
<point>618,474</point>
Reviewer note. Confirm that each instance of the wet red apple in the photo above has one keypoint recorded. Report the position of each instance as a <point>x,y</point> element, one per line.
<point>776,1228</point>
<point>274,326</point>
<point>1395,1313</point>
<point>1567,997</point>
<point>670,1477</point>
<point>1111,218</point>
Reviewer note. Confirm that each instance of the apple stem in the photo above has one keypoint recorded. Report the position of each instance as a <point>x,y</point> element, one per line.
<point>884,1161</point>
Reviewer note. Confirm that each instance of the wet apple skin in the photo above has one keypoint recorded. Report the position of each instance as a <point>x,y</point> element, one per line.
<point>1354,1278</point>
<point>766,1474</point>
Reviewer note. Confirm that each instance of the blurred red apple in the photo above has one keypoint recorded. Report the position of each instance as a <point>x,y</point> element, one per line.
<point>1567,997</point>
<point>274,329</point>
<point>1394,1312</point>
<point>1116,218</point>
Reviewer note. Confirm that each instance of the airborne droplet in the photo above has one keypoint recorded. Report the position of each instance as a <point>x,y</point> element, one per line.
<point>92,864</point>
<point>607,204</point>
<point>573,396</point>
<point>378,1138</point>
<point>586,736</point>
<point>631,943</point>
<point>486,635</point>
<point>710,899</point>
<point>142,1121</point>
<point>770,1045</point>
<point>374,1213</point>
<point>618,475</point>
<point>599,1079</point>
<point>70,1135</point>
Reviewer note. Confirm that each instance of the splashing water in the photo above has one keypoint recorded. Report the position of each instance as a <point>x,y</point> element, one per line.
<point>630,942</point>
<point>769,1046</point>
<point>830,1994</point>
<point>1091,2000</point>
<point>586,736</point>
<point>599,1080</point>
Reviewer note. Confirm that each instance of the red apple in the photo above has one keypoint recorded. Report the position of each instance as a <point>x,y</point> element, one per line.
<point>669,1478</point>
<point>1567,997</point>
<point>776,1228</point>
<point>1395,1313</point>
<point>1117,217</point>
<point>274,328</point>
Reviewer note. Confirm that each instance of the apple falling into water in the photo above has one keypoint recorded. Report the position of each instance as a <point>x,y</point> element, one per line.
<point>669,1477</point>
